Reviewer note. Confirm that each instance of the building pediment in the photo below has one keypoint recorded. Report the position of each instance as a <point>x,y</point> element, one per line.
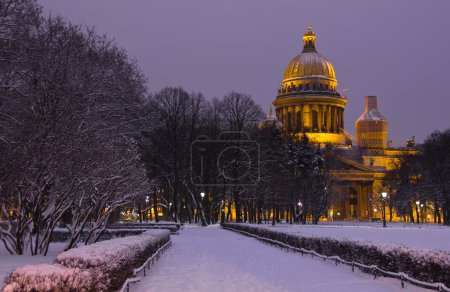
<point>346,164</point>
<point>349,170</point>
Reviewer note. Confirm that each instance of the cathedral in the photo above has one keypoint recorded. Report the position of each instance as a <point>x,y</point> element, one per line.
<point>308,102</point>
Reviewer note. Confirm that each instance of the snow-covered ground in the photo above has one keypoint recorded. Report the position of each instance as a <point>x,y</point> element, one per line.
<point>9,263</point>
<point>418,236</point>
<point>213,259</point>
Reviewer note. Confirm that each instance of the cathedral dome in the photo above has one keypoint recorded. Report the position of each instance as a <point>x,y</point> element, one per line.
<point>307,101</point>
<point>308,65</point>
<point>309,72</point>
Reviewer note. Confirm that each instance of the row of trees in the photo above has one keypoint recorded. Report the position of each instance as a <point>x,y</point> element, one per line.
<point>421,181</point>
<point>71,107</point>
<point>182,117</point>
<point>246,166</point>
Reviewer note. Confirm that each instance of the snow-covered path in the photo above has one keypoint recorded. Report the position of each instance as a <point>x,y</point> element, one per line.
<point>213,259</point>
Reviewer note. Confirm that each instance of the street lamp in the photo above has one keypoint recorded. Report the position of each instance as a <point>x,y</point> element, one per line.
<point>421,211</point>
<point>147,200</point>
<point>384,195</point>
<point>300,212</point>
<point>417,211</point>
<point>201,207</point>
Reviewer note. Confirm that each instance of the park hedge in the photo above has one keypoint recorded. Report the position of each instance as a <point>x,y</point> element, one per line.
<point>62,235</point>
<point>422,264</point>
<point>172,226</point>
<point>102,266</point>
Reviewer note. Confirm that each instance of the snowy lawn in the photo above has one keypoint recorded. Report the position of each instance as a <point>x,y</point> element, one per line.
<point>213,259</point>
<point>412,235</point>
<point>8,262</point>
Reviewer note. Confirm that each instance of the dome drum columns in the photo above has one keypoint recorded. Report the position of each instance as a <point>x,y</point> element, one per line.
<point>316,118</point>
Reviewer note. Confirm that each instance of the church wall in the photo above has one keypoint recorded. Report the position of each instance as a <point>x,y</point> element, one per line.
<point>351,201</point>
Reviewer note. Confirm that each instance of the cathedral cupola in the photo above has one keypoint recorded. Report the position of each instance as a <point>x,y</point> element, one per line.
<point>309,40</point>
<point>308,101</point>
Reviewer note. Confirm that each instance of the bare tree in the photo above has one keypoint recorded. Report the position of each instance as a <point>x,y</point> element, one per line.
<point>166,148</point>
<point>239,114</point>
<point>70,110</point>
<point>435,168</point>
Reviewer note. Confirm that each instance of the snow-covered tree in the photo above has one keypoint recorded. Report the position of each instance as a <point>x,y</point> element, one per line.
<point>70,111</point>
<point>435,167</point>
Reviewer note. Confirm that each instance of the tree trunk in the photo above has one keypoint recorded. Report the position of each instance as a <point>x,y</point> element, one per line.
<point>140,213</point>
<point>277,208</point>
<point>229,213</point>
<point>391,207</point>
<point>417,214</point>
<point>291,214</point>
<point>237,205</point>
<point>411,212</point>
<point>245,213</point>
<point>155,205</point>
<point>446,213</point>
<point>201,214</point>
<point>259,206</point>
<point>273,208</point>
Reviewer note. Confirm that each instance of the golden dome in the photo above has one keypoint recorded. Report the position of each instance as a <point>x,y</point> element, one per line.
<point>309,72</point>
<point>307,101</point>
<point>308,65</point>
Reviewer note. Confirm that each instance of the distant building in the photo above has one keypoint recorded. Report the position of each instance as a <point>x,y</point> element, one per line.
<point>308,102</point>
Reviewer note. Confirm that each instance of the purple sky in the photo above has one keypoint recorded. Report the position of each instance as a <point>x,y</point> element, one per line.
<point>397,50</point>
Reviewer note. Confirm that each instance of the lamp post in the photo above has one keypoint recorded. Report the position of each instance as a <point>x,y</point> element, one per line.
<point>202,203</point>
<point>417,211</point>
<point>300,205</point>
<point>147,200</point>
<point>384,195</point>
<point>421,211</point>
<point>222,211</point>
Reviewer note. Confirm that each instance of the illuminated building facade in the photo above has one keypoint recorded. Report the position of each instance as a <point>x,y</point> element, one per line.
<point>308,102</point>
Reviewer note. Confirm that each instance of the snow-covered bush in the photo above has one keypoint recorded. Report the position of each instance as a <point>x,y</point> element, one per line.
<point>62,235</point>
<point>115,259</point>
<point>421,264</point>
<point>49,278</point>
<point>102,266</point>
<point>173,227</point>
